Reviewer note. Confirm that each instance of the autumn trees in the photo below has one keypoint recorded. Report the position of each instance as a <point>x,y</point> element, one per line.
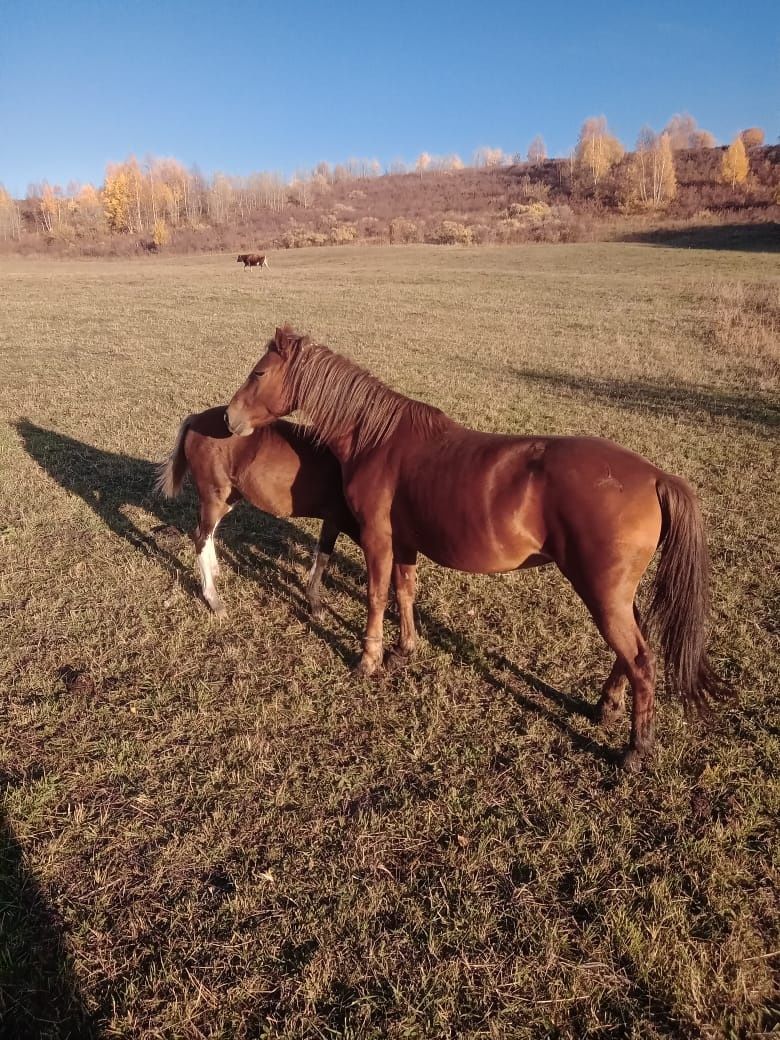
<point>597,151</point>
<point>159,200</point>
<point>650,178</point>
<point>685,133</point>
<point>753,137</point>
<point>734,165</point>
<point>10,220</point>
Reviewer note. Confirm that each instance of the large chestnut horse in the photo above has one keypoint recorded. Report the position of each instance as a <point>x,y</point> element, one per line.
<point>281,469</point>
<point>418,482</point>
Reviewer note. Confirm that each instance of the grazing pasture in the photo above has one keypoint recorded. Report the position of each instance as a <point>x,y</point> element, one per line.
<point>213,828</point>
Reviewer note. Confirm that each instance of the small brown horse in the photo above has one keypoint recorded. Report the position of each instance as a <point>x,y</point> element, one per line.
<point>280,469</point>
<point>253,260</point>
<point>417,481</point>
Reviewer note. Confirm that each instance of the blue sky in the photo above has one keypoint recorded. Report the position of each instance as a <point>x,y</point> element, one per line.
<point>241,86</point>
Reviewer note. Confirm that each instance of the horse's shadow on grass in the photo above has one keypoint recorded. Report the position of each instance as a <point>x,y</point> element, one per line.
<point>38,992</point>
<point>266,549</point>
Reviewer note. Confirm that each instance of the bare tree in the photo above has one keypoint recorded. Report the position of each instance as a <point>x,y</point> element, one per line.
<point>684,132</point>
<point>753,137</point>
<point>537,152</point>
<point>488,157</point>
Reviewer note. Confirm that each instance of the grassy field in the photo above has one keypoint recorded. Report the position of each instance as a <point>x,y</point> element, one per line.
<point>214,830</point>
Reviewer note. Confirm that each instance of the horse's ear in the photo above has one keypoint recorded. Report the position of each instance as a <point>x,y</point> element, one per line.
<point>286,341</point>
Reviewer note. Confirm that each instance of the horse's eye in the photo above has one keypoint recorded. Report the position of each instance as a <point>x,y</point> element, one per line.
<point>256,375</point>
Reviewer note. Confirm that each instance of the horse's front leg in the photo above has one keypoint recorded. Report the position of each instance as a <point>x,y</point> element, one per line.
<point>377,548</point>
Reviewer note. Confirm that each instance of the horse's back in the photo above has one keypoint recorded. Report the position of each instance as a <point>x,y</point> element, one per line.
<point>482,501</point>
<point>280,468</point>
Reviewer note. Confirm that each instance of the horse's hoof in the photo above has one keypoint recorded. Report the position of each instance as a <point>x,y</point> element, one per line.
<point>218,608</point>
<point>316,611</point>
<point>631,761</point>
<point>366,667</point>
<point>396,658</point>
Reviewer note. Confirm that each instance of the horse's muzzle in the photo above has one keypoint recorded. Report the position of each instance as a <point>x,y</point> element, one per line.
<point>240,429</point>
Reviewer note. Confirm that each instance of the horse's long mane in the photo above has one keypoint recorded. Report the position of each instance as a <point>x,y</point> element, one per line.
<point>337,396</point>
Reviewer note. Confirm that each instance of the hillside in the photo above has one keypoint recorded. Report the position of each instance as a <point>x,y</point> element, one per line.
<point>508,204</point>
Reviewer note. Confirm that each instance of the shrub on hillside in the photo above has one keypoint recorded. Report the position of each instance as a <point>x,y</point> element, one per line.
<point>343,234</point>
<point>450,233</point>
<point>532,213</point>
<point>298,237</point>
<point>533,190</point>
<point>161,236</point>
<point>371,228</point>
<point>403,230</point>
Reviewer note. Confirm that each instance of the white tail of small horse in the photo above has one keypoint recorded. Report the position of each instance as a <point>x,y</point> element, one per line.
<point>172,471</point>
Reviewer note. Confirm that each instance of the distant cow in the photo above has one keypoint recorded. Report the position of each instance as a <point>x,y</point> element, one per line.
<point>252,260</point>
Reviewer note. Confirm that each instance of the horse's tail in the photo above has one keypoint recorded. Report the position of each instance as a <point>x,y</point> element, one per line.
<point>171,472</point>
<point>681,597</point>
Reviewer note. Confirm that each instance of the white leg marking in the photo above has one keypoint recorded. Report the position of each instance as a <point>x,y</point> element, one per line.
<point>209,568</point>
<point>320,565</point>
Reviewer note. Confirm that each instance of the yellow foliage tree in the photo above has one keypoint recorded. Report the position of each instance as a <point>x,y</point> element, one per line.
<point>10,222</point>
<point>161,235</point>
<point>735,166</point>
<point>86,211</point>
<point>423,162</point>
<point>51,207</point>
<point>117,195</point>
<point>597,150</point>
<point>652,176</point>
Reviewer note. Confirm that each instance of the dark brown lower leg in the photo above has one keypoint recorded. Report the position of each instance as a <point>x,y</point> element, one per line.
<point>618,623</point>
<point>642,678</point>
<point>328,535</point>
<point>612,703</point>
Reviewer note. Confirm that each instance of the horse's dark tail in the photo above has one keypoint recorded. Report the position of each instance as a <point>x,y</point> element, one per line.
<point>171,472</point>
<point>681,597</point>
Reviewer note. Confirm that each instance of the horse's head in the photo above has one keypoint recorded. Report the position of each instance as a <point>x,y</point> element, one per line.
<point>265,396</point>
<point>241,259</point>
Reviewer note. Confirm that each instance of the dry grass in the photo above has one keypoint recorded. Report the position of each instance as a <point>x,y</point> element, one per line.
<point>215,830</point>
<point>746,323</point>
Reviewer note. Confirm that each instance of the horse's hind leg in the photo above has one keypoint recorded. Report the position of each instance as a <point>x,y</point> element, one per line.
<point>405,585</point>
<point>618,625</point>
<point>212,510</point>
<point>612,703</point>
<point>328,535</point>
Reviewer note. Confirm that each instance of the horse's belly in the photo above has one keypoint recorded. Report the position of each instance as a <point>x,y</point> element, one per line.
<point>483,530</point>
<point>481,554</point>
